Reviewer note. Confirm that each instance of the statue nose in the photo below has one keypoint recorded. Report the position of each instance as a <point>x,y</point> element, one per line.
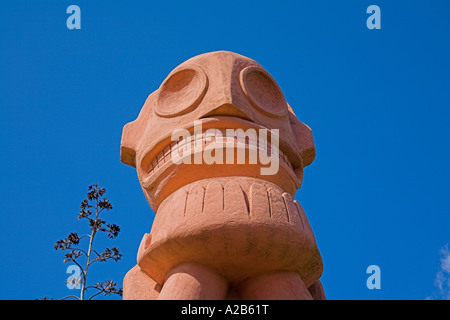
<point>245,93</point>
<point>229,110</point>
<point>226,98</point>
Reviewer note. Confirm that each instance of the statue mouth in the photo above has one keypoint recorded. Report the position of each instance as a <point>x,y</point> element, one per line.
<point>213,132</point>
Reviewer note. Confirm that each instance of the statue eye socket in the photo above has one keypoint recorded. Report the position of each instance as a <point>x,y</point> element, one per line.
<point>263,92</point>
<point>181,92</point>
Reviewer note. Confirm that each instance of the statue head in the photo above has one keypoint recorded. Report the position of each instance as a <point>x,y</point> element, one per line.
<point>214,91</point>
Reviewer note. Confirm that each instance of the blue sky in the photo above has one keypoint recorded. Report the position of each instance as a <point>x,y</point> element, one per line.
<point>377,102</point>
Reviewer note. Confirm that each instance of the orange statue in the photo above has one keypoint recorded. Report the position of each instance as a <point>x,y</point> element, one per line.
<point>219,154</point>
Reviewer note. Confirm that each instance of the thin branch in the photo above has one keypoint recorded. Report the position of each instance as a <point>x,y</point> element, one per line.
<point>70,297</point>
<point>95,252</point>
<point>94,287</point>
<point>86,235</point>
<point>77,264</point>
<point>96,294</point>
<point>96,259</point>
<point>79,250</point>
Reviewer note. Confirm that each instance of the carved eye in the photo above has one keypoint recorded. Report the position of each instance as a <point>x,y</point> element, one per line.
<point>263,92</point>
<point>181,92</point>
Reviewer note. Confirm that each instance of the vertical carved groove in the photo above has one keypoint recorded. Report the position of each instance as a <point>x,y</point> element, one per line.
<point>286,208</point>
<point>247,204</point>
<point>185,203</point>
<point>299,213</point>
<point>203,200</point>
<point>223,197</point>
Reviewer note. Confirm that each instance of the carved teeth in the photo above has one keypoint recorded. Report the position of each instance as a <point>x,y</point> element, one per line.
<point>164,156</point>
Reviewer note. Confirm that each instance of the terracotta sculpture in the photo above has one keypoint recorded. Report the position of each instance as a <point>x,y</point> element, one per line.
<point>223,229</point>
